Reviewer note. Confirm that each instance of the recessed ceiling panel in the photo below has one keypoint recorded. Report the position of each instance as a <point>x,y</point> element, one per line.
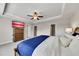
<point>23,9</point>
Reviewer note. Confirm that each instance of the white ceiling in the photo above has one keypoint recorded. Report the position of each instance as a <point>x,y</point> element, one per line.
<point>19,11</point>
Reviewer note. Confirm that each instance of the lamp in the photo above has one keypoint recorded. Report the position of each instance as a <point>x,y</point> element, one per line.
<point>68,30</point>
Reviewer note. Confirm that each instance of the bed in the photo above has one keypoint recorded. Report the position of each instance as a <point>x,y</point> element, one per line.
<point>44,45</point>
<point>26,47</point>
<point>49,46</point>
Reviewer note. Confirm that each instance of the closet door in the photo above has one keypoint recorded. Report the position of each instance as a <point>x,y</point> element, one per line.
<point>18,34</point>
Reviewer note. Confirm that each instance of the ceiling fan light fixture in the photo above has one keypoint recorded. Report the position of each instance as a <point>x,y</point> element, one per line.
<point>35,17</point>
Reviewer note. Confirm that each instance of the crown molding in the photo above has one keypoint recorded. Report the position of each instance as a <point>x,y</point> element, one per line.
<point>48,19</point>
<point>17,18</point>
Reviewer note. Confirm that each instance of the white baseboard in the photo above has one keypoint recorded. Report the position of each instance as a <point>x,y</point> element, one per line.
<point>6,42</point>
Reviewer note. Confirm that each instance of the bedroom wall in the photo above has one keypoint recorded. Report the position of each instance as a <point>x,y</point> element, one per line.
<point>43,28</point>
<point>28,31</point>
<point>61,24</point>
<point>75,20</point>
<point>5,31</point>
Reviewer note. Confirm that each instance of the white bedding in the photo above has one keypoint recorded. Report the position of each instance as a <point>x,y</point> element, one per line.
<point>49,47</point>
<point>74,46</point>
<point>52,47</point>
<point>73,49</point>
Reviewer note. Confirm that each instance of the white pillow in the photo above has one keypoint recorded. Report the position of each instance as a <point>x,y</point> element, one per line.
<point>65,41</point>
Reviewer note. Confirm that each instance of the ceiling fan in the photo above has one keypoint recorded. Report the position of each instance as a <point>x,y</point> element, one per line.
<point>35,16</point>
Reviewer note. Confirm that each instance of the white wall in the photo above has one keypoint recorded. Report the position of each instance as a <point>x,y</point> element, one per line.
<point>28,31</point>
<point>25,31</point>
<point>75,20</point>
<point>61,24</point>
<point>5,31</point>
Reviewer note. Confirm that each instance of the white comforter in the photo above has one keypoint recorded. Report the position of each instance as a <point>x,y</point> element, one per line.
<point>52,47</point>
<point>49,47</point>
<point>72,50</point>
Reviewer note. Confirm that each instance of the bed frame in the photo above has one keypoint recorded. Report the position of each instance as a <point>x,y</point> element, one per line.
<point>15,52</point>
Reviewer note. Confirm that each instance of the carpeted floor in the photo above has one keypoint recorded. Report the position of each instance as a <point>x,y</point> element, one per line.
<point>7,49</point>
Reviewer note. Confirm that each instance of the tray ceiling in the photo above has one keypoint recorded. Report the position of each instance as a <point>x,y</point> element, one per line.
<point>19,11</point>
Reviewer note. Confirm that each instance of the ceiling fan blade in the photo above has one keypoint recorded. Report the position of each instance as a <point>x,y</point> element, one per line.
<point>41,16</point>
<point>29,15</point>
<point>38,19</point>
<point>31,18</point>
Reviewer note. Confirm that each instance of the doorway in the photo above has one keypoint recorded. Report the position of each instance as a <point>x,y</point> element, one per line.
<point>18,34</point>
<point>35,30</point>
<point>52,30</point>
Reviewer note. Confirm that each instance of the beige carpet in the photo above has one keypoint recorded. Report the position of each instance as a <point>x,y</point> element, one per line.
<point>7,49</point>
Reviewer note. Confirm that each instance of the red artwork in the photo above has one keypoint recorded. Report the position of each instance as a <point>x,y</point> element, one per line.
<point>17,24</point>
